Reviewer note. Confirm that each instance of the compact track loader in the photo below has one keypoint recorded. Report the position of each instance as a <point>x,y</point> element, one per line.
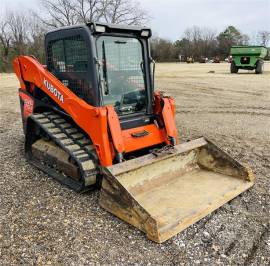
<point>92,119</point>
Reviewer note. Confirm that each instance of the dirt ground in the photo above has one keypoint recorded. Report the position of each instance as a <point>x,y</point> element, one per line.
<point>42,222</point>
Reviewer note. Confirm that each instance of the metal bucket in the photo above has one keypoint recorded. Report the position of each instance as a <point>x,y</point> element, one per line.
<point>162,194</point>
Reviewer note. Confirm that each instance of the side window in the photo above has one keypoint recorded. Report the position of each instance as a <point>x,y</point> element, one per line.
<point>68,55</point>
<point>76,54</point>
<point>67,59</point>
<point>56,56</point>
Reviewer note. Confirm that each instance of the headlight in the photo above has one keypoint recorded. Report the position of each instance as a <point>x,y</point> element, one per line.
<point>100,28</point>
<point>145,33</point>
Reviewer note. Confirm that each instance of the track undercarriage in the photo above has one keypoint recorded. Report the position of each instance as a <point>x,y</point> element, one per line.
<point>57,147</point>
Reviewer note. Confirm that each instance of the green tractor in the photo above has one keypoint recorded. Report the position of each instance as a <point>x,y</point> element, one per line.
<point>248,57</point>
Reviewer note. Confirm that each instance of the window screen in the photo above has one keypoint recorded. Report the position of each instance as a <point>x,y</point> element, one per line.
<point>68,61</point>
<point>68,55</point>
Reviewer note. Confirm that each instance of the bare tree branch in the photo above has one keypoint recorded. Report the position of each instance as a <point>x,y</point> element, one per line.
<point>19,26</point>
<point>59,13</point>
<point>264,37</point>
<point>124,11</point>
<point>5,40</point>
<point>89,10</point>
<point>70,12</point>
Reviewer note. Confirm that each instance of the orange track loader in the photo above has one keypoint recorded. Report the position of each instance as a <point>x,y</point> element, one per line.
<point>91,119</point>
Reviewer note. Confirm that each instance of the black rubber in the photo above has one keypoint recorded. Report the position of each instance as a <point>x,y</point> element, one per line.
<point>52,126</point>
<point>234,68</point>
<point>259,67</point>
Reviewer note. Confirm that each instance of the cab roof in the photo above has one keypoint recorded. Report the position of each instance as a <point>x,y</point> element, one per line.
<point>122,28</point>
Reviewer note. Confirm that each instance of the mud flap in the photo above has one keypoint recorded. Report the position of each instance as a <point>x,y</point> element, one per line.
<point>162,194</point>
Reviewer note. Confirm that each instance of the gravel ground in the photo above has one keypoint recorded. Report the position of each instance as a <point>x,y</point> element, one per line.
<point>42,222</point>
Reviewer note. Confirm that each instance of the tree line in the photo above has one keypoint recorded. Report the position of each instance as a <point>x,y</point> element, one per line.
<point>22,32</point>
<point>200,43</point>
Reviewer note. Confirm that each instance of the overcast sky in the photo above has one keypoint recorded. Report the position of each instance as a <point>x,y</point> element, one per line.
<point>172,17</point>
<point>169,18</point>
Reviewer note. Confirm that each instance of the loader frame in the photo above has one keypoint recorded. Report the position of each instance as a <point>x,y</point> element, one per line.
<point>109,139</point>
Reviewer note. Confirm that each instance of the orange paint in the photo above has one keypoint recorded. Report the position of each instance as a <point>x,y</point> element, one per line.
<point>100,123</point>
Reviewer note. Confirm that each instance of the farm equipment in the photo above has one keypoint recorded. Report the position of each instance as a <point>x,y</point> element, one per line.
<point>92,119</point>
<point>248,57</point>
<point>203,60</point>
<point>190,60</point>
<point>216,59</point>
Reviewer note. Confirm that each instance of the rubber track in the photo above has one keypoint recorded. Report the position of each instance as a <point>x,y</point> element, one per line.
<point>75,143</point>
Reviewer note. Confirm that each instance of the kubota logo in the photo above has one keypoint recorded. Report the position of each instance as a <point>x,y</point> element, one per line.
<point>54,91</point>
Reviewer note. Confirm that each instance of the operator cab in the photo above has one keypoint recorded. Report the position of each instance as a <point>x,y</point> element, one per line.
<point>105,64</point>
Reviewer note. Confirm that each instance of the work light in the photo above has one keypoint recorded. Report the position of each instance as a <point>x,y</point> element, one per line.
<point>100,28</point>
<point>145,33</point>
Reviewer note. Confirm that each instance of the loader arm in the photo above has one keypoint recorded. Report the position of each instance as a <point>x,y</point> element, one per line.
<point>30,70</point>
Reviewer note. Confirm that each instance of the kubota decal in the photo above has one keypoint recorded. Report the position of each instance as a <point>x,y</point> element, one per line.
<point>54,91</point>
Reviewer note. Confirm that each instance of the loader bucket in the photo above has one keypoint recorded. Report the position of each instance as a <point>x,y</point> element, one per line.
<point>164,193</point>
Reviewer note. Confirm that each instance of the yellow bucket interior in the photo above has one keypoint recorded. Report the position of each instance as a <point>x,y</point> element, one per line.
<point>164,195</point>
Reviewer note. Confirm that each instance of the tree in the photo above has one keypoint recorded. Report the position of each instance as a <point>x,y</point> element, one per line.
<point>58,13</point>
<point>13,36</point>
<point>229,37</point>
<point>20,34</point>
<point>70,12</point>
<point>19,27</point>
<point>197,42</point>
<point>124,11</point>
<point>163,50</point>
<point>5,41</point>
<point>264,37</point>
<point>184,48</point>
<point>90,10</point>
<point>36,38</point>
